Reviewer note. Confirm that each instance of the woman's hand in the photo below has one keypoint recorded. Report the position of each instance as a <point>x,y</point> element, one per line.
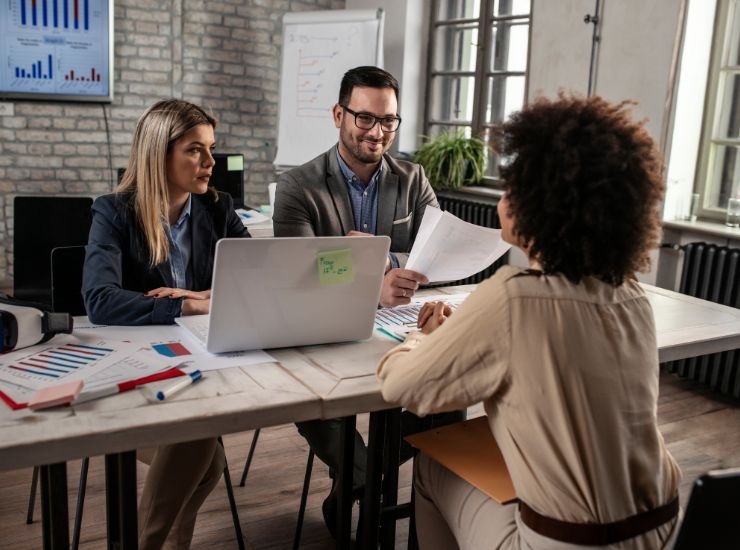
<point>432,315</point>
<point>194,303</point>
<point>166,292</point>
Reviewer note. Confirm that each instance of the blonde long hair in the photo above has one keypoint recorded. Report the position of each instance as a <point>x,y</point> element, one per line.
<point>146,174</point>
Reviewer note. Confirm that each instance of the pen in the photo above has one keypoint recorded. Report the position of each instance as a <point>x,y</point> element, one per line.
<point>191,378</point>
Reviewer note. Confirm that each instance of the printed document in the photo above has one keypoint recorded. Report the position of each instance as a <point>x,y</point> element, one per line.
<point>447,248</point>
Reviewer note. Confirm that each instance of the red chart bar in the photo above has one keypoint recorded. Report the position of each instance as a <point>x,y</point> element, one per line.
<point>77,13</point>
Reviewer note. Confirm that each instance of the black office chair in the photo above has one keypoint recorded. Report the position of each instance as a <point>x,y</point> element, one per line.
<point>712,518</point>
<point>40,224</point>
<point>67,265</point>
<point>304,492</point>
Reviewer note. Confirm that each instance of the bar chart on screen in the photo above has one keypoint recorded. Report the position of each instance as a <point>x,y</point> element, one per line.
<point>55,47</point>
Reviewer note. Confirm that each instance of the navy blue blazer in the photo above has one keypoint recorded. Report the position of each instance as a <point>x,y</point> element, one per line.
<point>117,271</point>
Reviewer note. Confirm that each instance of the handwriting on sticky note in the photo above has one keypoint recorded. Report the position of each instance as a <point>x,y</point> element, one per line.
<point>335,267</point>
<point>234,162</point>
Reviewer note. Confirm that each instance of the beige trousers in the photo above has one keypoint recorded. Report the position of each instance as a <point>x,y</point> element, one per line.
<point>179,479</point>
<point>452,514</point>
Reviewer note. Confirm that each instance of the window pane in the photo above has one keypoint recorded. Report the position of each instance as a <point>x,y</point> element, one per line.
<point>509,47</point>
<point>510,7</point>
<point>456,48</point>
<point>452,98</point>
<point>458,9</point>
<point>728,123</point>
<point>732,42</point>
<point>724,178</point>
<point>505,95</point>
<point>436,129</point>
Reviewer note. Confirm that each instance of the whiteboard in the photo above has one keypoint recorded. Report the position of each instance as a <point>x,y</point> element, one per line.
<point>318,48</point>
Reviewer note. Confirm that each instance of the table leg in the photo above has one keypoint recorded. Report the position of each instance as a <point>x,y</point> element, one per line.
<point>54,513</point>
<point>370,506</point>
<point>120,489</point>
<point>390,477</point>
<point>344,515</point>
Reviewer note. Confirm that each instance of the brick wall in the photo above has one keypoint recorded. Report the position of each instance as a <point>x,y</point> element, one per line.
<point>221,54</point>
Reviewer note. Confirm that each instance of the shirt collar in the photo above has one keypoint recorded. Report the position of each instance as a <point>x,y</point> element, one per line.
<point>185,212</point>
<point>349,174</point>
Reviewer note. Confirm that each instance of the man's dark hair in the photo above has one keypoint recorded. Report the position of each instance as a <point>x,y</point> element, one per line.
<point>371,77</point>
<point>584,185</point>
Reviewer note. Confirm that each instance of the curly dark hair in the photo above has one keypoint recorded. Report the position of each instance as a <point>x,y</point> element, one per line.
<point>584,184</point>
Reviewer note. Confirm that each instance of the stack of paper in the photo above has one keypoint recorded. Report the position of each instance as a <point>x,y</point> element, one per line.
<point>447,248</point>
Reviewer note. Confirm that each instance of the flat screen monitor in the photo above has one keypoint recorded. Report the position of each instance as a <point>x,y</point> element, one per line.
<point>228,176</point>
<point>56,50</point>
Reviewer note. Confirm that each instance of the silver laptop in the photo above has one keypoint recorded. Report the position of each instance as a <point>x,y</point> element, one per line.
<point>271,293</point>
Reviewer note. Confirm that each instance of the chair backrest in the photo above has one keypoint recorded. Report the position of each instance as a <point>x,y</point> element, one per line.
<point>67,263</point>
<point>41,223</point>
<point>712,518</point>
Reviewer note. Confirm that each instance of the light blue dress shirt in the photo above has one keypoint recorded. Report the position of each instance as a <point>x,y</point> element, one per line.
<point>180,238</point>
<point>364,200</point>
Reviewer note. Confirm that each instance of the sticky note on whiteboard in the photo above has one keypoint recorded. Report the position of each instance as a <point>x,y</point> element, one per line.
<point>335,267</point>
<point>234,162</point>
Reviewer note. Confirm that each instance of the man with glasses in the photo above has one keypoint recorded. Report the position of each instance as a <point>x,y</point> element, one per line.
<point>356,188</point>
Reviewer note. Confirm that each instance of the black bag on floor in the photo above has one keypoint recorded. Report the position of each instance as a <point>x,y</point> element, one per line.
<point>24,324</point>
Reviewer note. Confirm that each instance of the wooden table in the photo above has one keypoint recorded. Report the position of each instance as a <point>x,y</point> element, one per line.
<point>328,381</point>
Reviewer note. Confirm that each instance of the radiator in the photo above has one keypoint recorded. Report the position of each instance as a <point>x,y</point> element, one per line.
<point>712,273</point>
<point>479,212</point>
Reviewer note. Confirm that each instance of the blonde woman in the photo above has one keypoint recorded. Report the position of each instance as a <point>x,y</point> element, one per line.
<point>149,260</point>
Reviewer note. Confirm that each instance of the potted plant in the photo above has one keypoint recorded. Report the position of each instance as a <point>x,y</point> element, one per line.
<point>452,160</point>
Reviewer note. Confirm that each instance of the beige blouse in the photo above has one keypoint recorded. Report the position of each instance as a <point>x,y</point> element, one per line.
<point>569,378</point>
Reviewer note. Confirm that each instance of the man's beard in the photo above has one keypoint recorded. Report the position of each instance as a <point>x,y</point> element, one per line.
<point>358,153</point>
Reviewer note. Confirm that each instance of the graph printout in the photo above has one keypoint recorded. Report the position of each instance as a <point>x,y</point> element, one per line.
<point>55,47</point>
<point>99,362</point>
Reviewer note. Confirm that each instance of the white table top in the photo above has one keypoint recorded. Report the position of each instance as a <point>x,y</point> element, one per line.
<point>311,382</point>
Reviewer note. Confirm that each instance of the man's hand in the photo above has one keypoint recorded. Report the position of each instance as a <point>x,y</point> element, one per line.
<point>399,285</point>
<point>432,315</point>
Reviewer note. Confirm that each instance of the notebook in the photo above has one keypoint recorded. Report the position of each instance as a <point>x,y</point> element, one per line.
<point>287,292</point>
<point>469,450</point>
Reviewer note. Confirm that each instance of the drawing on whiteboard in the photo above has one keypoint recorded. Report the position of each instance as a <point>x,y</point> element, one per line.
<point>314,55</point>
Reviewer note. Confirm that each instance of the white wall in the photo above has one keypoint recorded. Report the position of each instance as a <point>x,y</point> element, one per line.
<point>405,57</point>
<point>635,56</point>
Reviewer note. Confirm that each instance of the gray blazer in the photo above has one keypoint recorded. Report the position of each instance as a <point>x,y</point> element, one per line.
<point>312,200</point>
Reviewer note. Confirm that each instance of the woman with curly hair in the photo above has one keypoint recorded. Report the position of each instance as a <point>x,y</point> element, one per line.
<point>563,354</point>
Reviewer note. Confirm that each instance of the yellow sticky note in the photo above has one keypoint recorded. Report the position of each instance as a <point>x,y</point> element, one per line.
<point>234,162</point>
<point>335,267</point>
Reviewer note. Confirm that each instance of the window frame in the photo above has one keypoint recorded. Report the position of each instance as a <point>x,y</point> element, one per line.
<point>714,101</point>
<point>483,73</point>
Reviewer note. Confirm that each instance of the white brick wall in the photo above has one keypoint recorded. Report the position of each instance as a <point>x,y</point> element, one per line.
<point>221,54</point>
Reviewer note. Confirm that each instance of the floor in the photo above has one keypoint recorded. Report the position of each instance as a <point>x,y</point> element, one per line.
<point>701,429</point>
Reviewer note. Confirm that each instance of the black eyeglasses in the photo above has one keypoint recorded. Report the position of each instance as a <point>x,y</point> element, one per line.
<point>366,121</point>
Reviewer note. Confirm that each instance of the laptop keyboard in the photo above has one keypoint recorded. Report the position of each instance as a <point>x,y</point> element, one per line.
<point>407,315</point>
<point>198,328</point>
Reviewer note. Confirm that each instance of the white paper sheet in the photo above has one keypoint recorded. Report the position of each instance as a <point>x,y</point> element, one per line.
<point>447,248</point>
<point>177,341</point>
<point>251,217</point>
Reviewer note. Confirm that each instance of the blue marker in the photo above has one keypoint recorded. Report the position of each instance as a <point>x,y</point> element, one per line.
<point>191,378</point>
